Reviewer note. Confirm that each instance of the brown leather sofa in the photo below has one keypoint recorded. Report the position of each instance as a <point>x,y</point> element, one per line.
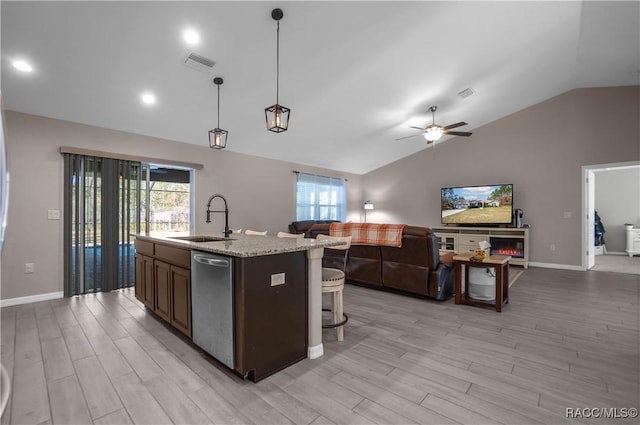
<point>304,226</point>
<point>416,267</point>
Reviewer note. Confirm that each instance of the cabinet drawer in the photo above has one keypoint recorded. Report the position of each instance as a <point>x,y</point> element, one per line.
<point>172,255</point>
<point>472,239</point>
<point>144,247</point>
<point>467,248</point>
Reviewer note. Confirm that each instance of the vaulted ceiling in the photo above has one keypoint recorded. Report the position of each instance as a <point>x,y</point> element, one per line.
<point>355,74</point>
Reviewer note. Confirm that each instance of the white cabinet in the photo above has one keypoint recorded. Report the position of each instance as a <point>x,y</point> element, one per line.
<point>633,241</point>
<point>504,241</point>
<point>469,243</point>
<point>446,242</point>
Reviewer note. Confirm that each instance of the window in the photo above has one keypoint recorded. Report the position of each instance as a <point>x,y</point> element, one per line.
<point>166,207</point>
<point>320,197</point>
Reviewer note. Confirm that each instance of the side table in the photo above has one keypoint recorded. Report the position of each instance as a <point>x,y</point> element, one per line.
<point>462,262</point>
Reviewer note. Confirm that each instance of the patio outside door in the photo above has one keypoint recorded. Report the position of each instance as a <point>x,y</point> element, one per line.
<point>102,210</point>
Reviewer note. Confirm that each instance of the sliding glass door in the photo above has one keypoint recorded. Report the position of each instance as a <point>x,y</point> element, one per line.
<point>166,203</point>
<point>102,210</point>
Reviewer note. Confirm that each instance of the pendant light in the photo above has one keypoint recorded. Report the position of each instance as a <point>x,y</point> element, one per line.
<point>218,136</point>
<point>277,116</point>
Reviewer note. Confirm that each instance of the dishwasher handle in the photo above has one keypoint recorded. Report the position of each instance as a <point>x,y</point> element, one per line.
<point>210,261</point>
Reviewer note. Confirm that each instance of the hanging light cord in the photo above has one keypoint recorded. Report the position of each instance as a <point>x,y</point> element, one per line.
<point>218,106</point>
<point>277,62</point>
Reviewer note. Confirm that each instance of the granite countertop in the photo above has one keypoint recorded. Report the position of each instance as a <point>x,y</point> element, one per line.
<point>241,245</point>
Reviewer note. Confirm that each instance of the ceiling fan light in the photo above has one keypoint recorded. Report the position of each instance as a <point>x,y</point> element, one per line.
<point>433,133</point>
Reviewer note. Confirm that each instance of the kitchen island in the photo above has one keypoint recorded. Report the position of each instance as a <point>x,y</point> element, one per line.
<point>276,295</point>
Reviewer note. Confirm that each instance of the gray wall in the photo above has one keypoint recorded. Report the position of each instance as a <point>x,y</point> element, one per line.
<point>541,150</point>
<point>617,201</point>
<point>261,192</point>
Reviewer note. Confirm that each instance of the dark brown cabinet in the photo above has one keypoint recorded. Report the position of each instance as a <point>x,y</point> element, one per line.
<point>268,304</point>
<point>270,315</point>
<point>181,299</point>
<point>144,280</point>
<point>162,274</point>
<point>163,282</point>
<point>145,288</point>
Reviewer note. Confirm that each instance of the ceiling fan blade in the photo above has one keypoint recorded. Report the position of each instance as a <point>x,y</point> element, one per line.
<point>458,124</point>
<point>458,133</point>
<point>417,128</point>
<point>408,137</point>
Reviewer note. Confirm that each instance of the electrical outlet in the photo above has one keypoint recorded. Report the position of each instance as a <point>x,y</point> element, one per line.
<point>552,247</point>
<point>567,214</point>
<point>277,279</point>
<point>29,267</point>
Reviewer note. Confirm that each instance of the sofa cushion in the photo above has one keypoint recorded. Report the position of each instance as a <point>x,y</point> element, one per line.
<point>364,264</point>
<point>303,226</point>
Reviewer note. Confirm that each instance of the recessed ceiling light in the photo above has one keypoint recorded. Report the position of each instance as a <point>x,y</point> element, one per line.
<point>22,66</point>
<point>191,37</point>
<point>148,98</point>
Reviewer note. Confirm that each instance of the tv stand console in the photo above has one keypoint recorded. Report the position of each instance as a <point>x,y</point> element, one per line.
<point>504,241</point>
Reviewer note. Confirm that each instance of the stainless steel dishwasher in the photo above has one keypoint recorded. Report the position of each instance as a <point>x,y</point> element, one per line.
<point>213,305</point>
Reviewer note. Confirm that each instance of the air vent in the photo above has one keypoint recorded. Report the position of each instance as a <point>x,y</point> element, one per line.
<point>199,63</point>
<point>466,92</point>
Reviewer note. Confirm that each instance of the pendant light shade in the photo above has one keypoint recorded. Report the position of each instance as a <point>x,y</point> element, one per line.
<point>277,116</point>
<point>218,136</point>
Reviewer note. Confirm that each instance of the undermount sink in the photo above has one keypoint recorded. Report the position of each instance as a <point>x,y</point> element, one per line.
<point>200,238</point>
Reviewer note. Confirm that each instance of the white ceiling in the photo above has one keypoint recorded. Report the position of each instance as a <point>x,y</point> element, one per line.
<point>355,74</point>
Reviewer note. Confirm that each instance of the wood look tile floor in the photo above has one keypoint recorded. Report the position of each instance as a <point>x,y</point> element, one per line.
<point>566,339</point>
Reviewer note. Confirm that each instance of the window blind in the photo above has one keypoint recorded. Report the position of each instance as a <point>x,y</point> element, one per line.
<point>102,210</point>
<point>320,197</point>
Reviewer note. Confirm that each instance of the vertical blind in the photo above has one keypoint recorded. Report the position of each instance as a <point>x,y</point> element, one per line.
<point>102,210</point>
<point>320,197</point>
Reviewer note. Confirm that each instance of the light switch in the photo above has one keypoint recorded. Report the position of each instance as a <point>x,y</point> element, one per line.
<point>53,214</point>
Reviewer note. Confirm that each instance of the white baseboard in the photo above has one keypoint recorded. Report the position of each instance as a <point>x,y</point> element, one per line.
<point>556,266</point>
<point>31,299</point>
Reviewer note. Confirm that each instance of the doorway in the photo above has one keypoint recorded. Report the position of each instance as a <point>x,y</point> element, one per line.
<point>621,205</point>
<point>107,202</point>
<point>101,213</point>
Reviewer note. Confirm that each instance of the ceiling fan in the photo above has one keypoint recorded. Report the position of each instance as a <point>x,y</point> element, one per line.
<point>434,131</point>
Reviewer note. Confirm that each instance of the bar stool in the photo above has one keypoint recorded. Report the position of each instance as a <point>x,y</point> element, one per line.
<point>333,282</point>
<point>254,232</point>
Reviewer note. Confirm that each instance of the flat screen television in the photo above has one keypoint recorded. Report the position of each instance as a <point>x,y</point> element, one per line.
<point>477,205</point>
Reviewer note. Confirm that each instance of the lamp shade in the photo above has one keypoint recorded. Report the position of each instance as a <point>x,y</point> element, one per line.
<point>277,117</point>
<point>218,138</point>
